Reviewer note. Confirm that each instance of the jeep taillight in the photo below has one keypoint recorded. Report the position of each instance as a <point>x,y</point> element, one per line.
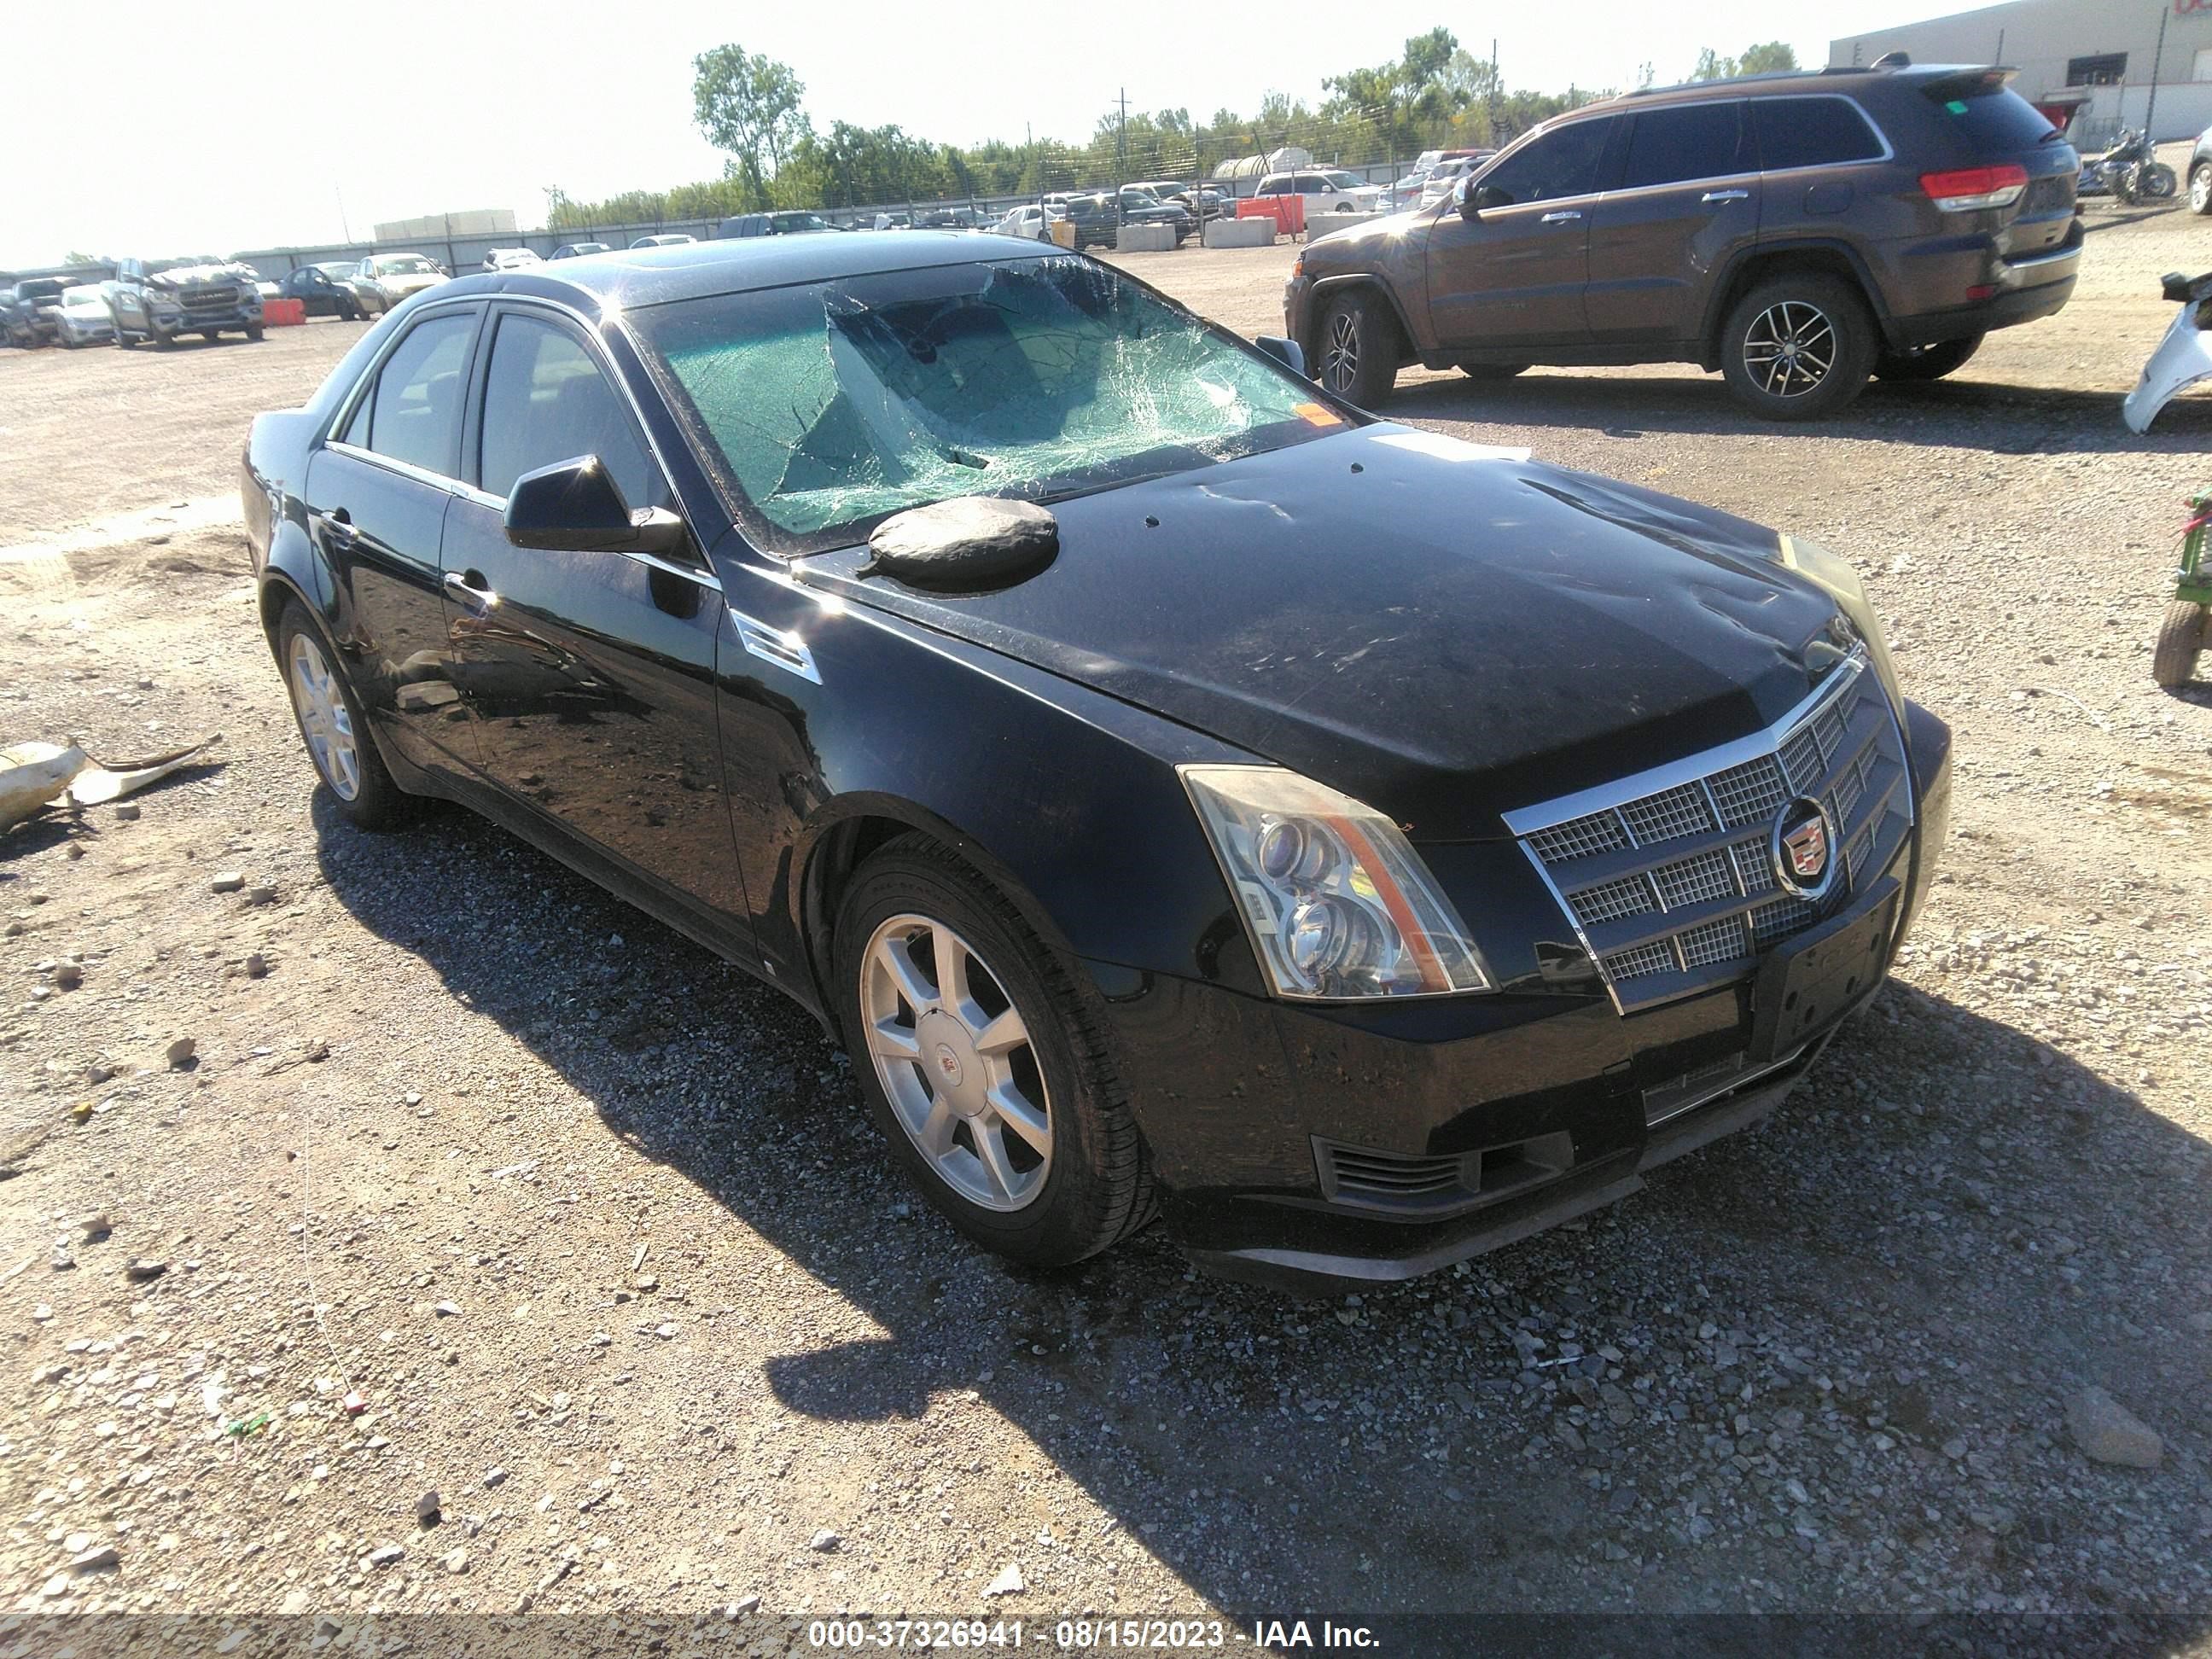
<point>1968,188</point>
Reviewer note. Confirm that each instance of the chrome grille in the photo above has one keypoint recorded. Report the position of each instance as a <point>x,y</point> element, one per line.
<point>1643,960</point>
<point>1751,794</point>
<point>1667,817</point>
<point>1631,898</point>
<point>1716,941</point>
<point>1669,875</point>
<point>1601,832</point>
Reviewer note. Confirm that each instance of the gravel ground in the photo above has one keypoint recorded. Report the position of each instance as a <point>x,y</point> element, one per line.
<point>477,1181</point>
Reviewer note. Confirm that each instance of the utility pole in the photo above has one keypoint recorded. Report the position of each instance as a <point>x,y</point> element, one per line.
<point>343,225</point>
<point>2150,107</point>
<point>1121,139</point>
<point>1493,89</point>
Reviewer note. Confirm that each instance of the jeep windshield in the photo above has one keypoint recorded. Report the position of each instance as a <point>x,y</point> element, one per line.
<point>832,404</point>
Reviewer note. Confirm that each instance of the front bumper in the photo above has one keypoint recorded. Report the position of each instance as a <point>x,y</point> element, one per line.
<point>1320,1148</point>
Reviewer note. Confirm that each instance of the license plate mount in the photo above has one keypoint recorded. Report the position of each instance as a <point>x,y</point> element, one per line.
<point>1806,983</point>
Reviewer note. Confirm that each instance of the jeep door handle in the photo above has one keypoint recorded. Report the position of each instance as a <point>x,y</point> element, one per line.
<point>1726,196</point>
<point>478,600</point>
<point>1560,218</point>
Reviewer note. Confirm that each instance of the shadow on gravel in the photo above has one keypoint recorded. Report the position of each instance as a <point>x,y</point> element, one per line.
<point>1957,413</point>
<point>1822,1365</point>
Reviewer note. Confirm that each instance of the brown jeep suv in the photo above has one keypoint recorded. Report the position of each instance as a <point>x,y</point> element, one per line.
<point>1797,232</point>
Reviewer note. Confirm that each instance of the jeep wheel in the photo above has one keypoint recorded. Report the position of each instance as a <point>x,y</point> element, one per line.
<point>1358,349</point>
<point>254,330</point>
<point>1798,347</point>
<point>1928,362</point>
<point>2200,187</point>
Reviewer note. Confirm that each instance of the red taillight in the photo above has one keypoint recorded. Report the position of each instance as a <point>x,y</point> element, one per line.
<point>1968,188</point>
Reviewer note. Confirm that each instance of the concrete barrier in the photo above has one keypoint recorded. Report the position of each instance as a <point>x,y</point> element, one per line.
<point>1240,233</point>
<point>1321,224</point>
<point>1143,238</point>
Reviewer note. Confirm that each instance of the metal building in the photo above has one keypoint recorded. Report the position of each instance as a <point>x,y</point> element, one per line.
<point>2092,65</point>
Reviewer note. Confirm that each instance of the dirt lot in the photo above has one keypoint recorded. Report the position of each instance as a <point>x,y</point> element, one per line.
<point>596,1228</point>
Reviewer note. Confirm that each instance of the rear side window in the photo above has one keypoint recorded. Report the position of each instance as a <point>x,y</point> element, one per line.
<point>1563,162</point>
<point>1693,141</point>
<point>545,400</point>
<point>1812,132</point>
<point>1994,120</point>
<point>415,412</point>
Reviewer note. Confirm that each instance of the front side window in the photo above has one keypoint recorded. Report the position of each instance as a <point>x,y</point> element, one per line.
<point>1812,132</point>
<point>546,400</point>
<point>835,403</point>
<point>415,409</point>
<point>1689,141</point>
<point>1560,163</point>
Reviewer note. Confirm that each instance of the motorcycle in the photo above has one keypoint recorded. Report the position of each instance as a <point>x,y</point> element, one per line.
<point>2183,358</point>
<point>2130,170</point>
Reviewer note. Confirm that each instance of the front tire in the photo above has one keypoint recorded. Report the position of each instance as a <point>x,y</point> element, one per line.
<point>1798,347</point>
<point>1928,362</point>
<point>335,727</point>
<point>1359,349</point>
<point>252,331</point>
<point>2157,182</point>
<point>2180,638</point>
<point>981,1063</point>
<point>2200,188</point>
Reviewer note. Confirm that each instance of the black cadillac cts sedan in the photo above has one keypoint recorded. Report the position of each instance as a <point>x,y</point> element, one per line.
<point>1180,791</point>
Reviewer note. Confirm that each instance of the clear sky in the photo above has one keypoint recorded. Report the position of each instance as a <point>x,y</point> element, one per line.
<point>126,126</point>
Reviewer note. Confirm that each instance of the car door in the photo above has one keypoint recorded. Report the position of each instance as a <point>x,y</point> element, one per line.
<point>1513,274</point>
<point>590,673</point>
<point>1688,201</point>
<point>377,493</point>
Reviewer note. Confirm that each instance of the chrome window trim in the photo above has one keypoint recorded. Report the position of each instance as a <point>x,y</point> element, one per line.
<point>781,646</point>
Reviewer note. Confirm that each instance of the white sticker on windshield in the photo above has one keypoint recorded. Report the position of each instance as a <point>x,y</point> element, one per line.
<point>1439,447</point>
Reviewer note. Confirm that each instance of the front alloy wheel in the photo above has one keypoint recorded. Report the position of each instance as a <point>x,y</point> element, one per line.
<point>953,1055</point>
<point>1358,350</point>
<point>987,1065</point>
<point>325,722</point>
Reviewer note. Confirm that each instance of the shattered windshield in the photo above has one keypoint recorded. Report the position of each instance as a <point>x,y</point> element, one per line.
<point>836,403</point>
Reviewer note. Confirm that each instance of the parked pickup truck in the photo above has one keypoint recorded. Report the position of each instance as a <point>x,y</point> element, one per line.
<point>158,299</point>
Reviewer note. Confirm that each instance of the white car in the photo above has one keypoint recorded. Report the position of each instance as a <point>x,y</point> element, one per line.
<point>85,318</point>
<point>392,277</point>
<point>1327,190</point>
<point>512,258</point>
<point>1028,220</point>
<point>669,238</point>
<point>1444,178</point>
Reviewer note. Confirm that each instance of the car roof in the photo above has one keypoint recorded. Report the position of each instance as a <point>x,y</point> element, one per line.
<point>627,278</point>
<point>1782,84</point>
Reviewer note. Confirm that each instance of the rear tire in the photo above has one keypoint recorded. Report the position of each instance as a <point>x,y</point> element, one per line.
<point>1928,362</point>
<point>914,901</point>
<point>1798,347</point>
<point>1359,347</point>
<point>335,727</point>
<point>2157,183</point>
<point>2200,188</point>
<point>253,333</point>
<point>2180,638</point>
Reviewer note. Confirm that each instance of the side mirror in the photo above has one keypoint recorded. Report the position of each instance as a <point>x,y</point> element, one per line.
<point>575,506</point>
<point>1472,200</point>
<point>1287,352</point>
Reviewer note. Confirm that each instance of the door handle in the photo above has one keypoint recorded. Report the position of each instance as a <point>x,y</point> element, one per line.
<point>1559,218</point>
<point>470,596</point>
<point>339,528</point>
<point>1726,196</point>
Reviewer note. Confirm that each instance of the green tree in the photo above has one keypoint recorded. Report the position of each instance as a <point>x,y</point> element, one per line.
<point>748,104</point>
<point>1767,57</point>
<point>1711,66</point>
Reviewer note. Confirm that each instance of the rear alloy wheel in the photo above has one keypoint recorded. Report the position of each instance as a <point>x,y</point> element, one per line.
<point>332,725</point>
<point>2180,638</point>
<point>1927,362</point>
<point>1798,347</point>
<point>980,1061</point>
<point>1358,349</point>
<point>2200,187</point>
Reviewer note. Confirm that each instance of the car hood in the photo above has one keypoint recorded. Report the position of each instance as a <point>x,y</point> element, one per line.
<point>1444,632</point>
<point>194,276</point>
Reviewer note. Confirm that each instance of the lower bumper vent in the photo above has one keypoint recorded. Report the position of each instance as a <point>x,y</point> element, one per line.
<point>1367,1178</point>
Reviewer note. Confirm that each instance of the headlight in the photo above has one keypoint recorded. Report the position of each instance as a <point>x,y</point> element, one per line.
<point>1834,575</point>
<point>1337,905</point>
